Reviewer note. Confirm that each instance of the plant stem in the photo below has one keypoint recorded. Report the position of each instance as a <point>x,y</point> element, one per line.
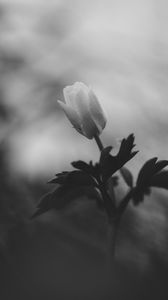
<point>99,142</point>
<point>112,225</point>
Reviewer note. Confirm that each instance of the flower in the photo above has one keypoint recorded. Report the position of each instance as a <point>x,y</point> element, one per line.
<point>83,110</point>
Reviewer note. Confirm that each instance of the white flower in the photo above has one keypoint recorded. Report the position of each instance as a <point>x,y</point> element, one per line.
<point>83,110</point>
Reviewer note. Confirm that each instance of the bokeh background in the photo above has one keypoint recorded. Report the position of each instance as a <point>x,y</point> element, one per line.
<point>120,49</point>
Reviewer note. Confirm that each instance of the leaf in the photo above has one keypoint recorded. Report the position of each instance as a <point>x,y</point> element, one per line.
<point>127,176</point>
<point>125,153</point>
<point>93,170</point>
<point>44,205</point>
<point>80,178</point>
<point>62,174</point>
<point>149,169</point>
<point>146,171</point>
<point>160,180</point>
<point>110,164</point>
<point>81,165</point>
<point>161,164</point>
<point>149,176</point>
<point>60,178</point>
<point>74,178</point>
<point>64,196</point>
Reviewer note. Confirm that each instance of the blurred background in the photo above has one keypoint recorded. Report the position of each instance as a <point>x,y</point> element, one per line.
<point>120,49</point>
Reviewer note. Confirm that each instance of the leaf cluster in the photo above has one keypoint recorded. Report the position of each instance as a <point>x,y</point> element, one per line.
<point>91,180</point>
<point>97,181</point>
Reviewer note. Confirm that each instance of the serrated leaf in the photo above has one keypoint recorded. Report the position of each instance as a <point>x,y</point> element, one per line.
<point>91,169</point>
<point>127,176</point>
<point>160,180</point>
<point>125,152</point>
<point>150,169</point>
<point>149,176</point>
<point>110,164</point>
<point>74,178</point>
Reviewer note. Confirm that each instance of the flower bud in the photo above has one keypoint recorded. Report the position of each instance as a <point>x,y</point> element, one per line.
<point>83,110</point>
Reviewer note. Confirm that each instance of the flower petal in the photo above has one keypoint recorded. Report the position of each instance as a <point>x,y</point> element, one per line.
<point>90,128</point>
<point>96,110</point>
<point>70,94</point>
<point>71,115</point>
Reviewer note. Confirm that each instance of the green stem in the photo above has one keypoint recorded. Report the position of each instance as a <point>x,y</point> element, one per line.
<point>99,142</point>
<point>111,214</point>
